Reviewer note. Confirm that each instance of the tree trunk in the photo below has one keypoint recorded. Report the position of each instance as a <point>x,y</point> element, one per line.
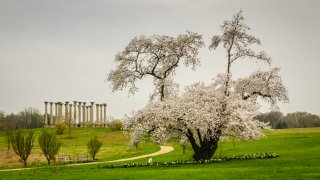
<point>25,162</point>
<point>206,149</point>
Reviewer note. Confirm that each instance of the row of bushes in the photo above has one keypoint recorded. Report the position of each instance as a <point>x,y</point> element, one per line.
<point>150,163</point>
<point>292,120</point>
<point>22,144</point>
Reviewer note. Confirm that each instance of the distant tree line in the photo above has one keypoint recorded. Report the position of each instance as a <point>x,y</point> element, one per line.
<point>28,118</point>
<point>292,120</point>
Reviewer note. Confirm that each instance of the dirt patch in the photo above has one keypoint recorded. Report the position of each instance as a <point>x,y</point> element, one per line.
<point>8,158</point>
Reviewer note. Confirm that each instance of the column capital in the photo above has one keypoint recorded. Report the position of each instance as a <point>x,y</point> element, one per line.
<point>67,102</point>
<point>46,102</point>
<point>92,103</point>
<point>74,102</point>
<point>84,103</point>
<point>51,103</point>
<point>104,104</point>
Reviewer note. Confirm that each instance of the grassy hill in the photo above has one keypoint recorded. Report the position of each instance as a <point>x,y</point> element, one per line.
<point>299,151</point>
<point>115,146</point>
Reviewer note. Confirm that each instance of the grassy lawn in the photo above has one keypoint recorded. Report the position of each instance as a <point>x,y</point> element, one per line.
<point>299,151</point>
<point>115,146</point>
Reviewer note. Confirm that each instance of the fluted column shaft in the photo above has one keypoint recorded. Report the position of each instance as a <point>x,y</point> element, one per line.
<point>46,113</point>
<point>79,114</point>
<point>84,114</point>
<point>101,115</point>
<point>51,115</point>
<point>74,113</point>
<point>66,113</point>
<point>91,113</point>
<point>97,115</point>
<point>104,114</point>
<point>56,114</point>
<point>70,115</point>
<point>87,115</point>
<point>59,113</point>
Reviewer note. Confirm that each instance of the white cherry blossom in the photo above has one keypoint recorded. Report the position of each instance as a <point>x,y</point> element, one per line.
<point>156,56</point>
<point>206,113</point>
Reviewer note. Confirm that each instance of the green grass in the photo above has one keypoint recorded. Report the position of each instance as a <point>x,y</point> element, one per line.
<point>115,146</point>
<point>299,151</point>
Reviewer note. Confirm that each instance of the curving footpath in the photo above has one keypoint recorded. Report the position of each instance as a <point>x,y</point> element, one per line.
<point>163,150</point>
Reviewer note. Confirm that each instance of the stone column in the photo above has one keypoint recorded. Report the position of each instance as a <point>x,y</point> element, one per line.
<point>46,113</point>
<point>59,112</point>
<point>91,113</point>
<point>105,114</point>
<point>70,115</point>
<point>87,115</point>
<point>51,115</point>
<point>97,114</point>
<point>66,113</point>
<point>56,114</point>
<point>84,114</point>
<point>101,115</point>
<point>74,113</point>
<point>79,114</point>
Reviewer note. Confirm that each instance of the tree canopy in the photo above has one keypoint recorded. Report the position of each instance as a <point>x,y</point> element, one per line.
<point>156,56</point>
<point>226,108</point>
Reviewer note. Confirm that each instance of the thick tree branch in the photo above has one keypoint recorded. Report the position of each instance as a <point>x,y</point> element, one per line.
<point>256,93</point>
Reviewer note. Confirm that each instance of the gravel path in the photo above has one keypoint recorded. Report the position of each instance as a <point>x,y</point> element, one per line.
<point>163,150</point>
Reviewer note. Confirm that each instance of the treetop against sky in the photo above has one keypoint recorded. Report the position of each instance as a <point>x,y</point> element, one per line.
<point>63,50</point>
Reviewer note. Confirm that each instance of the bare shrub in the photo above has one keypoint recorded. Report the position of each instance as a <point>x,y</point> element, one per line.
<point>49,144</point>
<point>94,146</point>
<point>22,144</point>
<point>60,128</point>
<point>115,125</point>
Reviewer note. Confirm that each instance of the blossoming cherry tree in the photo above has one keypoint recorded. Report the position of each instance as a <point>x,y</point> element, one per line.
<point>204,114</point>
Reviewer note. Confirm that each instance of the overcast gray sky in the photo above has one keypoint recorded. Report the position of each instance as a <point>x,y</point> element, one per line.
<point>60,50</point>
